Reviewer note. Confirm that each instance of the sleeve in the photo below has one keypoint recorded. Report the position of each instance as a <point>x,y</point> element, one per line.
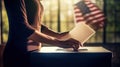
<point>17,18</point>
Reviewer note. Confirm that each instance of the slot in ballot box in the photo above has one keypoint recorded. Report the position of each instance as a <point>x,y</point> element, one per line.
<point>59,57</point>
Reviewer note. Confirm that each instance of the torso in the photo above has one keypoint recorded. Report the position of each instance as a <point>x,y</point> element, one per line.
<point>34,13</point>
<point>15,52</point>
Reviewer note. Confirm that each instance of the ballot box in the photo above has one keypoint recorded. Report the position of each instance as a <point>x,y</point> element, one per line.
<point>59,57</point>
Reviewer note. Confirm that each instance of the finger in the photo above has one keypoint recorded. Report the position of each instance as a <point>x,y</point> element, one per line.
<point>81,45</point>
<point>75,47</point>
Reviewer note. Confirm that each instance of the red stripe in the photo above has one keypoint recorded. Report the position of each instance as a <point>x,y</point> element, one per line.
<point>93,5</point>
<point>92,15</point>
<point>75,8</point>
<point>87,2</point>
<point>95,18</point>
<point>95,10</point>
<point>77,12</point>
<point>78,16</point>
<point>98,21</point>
<point>97,13</point>
<point>102,19</point>
<point>101,23</point>
<point>79,21</point>
<point>89,5</point>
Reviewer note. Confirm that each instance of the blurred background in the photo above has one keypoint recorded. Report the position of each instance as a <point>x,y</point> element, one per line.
<point>59,16</point>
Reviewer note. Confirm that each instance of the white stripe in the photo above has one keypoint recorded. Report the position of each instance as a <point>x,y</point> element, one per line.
<point>78,14</point>
<point>94,18</point>
<point>90,18</point>
<point>94,21</point>
<point>80,18</point>
<point>99,15</point>
<point>101,19</point>
<point>80,21</point>
<point>77,10</point>
<point>86,2</point>
<point>95,12</point>
<point>90,5</point>
<point>94,8</point>
<point>88,14</point>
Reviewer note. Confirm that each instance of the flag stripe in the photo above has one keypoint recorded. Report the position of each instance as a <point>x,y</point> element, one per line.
<point>89,13</point>
<point>93,15</point>
<point>77,21</point>
<point>81,18</point>
<point>77,11</point>
<point>87,2</point>
<point>90,5</point>
<point>94,8</point>
<point>78,16</point>
<point>98,19</point>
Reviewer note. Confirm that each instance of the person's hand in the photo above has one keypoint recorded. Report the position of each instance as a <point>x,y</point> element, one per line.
<point>70,43</point>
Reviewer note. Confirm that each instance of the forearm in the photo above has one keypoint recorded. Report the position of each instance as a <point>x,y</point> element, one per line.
<point>49,32</point>
<point>40,37</point>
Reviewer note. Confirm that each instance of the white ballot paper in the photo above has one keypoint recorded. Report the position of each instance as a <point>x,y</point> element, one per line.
<point>81,32</point>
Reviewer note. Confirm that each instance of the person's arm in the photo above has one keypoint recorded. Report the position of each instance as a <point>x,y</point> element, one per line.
<point>17,16</point>
<point>52,33</point>
<point>40,37</point>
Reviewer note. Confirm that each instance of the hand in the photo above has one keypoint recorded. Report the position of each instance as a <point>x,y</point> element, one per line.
<point>70,43</point>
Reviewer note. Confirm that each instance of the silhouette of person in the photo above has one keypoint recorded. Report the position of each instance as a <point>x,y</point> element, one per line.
<point>25,29</point>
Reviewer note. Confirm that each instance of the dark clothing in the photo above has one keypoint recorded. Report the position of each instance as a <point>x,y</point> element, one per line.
<point>20,18</point>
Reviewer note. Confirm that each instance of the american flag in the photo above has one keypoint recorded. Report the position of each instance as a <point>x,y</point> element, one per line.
<point>88,12</point>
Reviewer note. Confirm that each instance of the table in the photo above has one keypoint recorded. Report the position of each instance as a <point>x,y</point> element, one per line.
<point>59,57</point>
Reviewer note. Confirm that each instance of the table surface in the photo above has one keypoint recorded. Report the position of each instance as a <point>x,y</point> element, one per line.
<point>70,50</point>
